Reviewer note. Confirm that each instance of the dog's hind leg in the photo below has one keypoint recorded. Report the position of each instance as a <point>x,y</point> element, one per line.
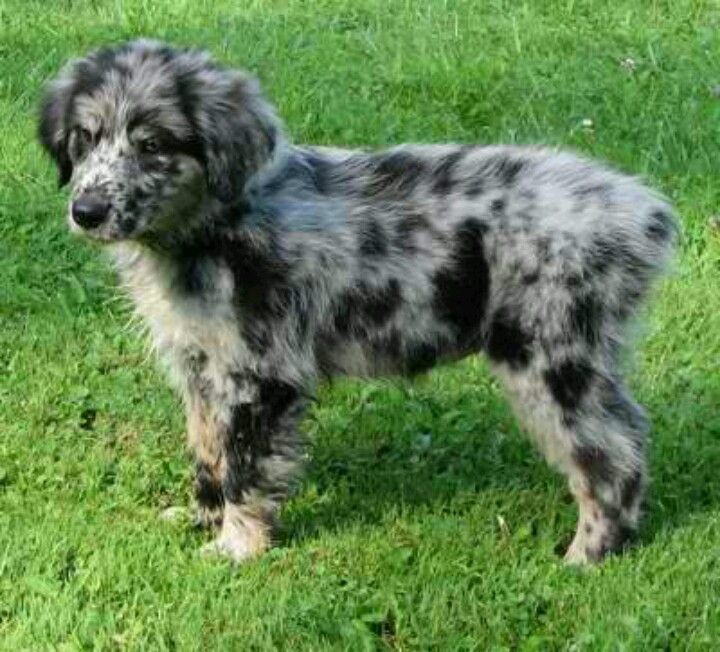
<point>587,425</point>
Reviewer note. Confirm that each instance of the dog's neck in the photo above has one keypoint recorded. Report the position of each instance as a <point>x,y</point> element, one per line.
<point>240,234</point>
<point>241,218</point>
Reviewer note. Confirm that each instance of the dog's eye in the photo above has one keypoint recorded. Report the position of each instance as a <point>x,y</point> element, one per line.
<point>149,146</point>
<point>83,142</point>
<point>86,137</point>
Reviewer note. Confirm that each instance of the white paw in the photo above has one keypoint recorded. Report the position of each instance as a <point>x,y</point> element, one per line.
<point>242,536</point>
<point>236,548</point>
<point>174,514</point>
<point>576,555</point>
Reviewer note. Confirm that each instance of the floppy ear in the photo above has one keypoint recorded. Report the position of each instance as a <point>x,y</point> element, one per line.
<point>52,129</point>
<point>238,129</point>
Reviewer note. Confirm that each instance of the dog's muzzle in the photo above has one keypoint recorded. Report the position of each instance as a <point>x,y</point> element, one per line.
<point>89,210</point>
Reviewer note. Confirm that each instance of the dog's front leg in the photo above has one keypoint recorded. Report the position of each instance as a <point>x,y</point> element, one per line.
<point>256,426</point>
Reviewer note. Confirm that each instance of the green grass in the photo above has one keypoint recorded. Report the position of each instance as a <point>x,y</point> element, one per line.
<point>426,520</point>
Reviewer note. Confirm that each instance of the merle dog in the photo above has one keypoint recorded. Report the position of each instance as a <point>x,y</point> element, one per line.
<point>262,267</point>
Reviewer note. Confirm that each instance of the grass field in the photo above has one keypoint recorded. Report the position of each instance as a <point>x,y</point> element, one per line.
<point>426,520</point>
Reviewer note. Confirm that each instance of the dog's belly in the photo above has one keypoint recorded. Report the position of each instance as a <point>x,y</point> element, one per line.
<point>353,358</point>
<point>383,357</point>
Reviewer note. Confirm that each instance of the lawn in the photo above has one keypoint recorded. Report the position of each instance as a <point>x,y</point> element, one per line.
<point>425,520</point>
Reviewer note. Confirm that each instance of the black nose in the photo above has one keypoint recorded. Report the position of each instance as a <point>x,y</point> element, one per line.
<point>89,211</point>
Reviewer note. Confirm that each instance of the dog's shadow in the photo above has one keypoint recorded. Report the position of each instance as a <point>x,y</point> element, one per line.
<point>401,447</point>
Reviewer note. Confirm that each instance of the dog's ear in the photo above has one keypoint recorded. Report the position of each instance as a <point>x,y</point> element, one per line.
<point>238,130</point>
<point>52,128</point>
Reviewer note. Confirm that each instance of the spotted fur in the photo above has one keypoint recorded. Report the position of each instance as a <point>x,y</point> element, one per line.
<point>262,267</point>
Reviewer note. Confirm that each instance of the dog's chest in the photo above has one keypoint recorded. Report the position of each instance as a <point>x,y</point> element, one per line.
<point>182,323</point>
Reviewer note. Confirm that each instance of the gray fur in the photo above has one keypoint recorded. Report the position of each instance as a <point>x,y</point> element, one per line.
<point>262,267</point>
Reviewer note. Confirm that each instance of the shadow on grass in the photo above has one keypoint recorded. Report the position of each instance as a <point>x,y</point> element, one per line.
<point>367,470</point>
<point>439,453</point>
<point>684,457</point>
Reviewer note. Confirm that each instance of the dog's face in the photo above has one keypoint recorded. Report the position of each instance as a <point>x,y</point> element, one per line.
<point>145,133</point>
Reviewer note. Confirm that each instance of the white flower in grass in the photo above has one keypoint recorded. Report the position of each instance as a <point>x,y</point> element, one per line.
<point>628,63</point>
<point>584,125</point>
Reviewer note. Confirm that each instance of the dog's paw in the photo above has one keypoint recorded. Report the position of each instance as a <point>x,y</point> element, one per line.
<point>236,548</point>
<point>242,537</point>
<point>174,514</point>
<point>577,555</point>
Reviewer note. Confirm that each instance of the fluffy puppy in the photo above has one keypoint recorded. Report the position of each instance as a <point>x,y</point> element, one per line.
<point>262,267</point>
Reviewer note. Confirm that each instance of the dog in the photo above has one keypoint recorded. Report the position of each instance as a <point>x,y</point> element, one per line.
<point>262,268</point>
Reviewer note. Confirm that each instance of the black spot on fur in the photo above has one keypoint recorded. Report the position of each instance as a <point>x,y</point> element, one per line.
<point>196,362</point>
<point>573,281</point>
<point>595,463</point>
<point>615,539</point>
<point>443,174</point>
<point>475,188</point>
<point>507,341</point>
<point>630,490</point>
<point>396,173</point>
<point>461,288</point>
<point>126,223</point>
<point>258,275</point>
<point>661,226</point>
<point>497,206</point>
<point>191,278</point>
<point>420,357</point>
<point>131,205</point>
<point>241,444</point>
<point>140,194</point>
<point>372,239</point>
<point>366,307</point>
<point>276,398</point>
<point>406,229</point>
<point>208,492</point>
<point>618,405</point>
<point>586,318</point>
<point>507,169</point>
<point>569,382</point>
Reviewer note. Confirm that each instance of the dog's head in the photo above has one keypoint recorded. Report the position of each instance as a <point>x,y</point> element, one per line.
<point>144,133</point>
